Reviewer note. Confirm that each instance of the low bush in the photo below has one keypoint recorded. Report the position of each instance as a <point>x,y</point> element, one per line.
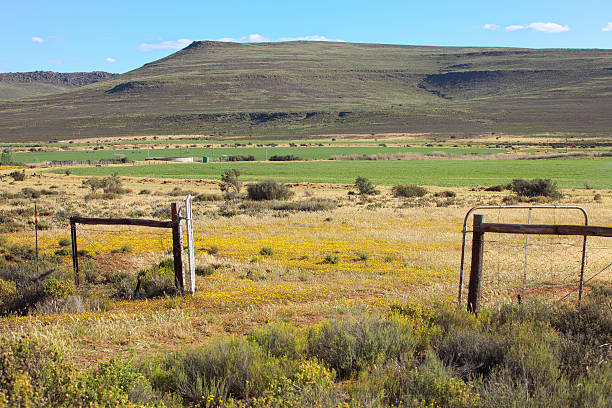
<point>268,190</point>
<point>331,259</point>
<point>535,188</point>
<point>59,289</point>
<point>18,175</point>
<point>408,191</point>
<point>288,157</point>
<point>313,204</point>
<point>157,281</point>
<point>239,157</point>
<point>446,194</point>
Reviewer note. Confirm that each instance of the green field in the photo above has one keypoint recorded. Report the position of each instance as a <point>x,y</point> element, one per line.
<point>569,173</point>
<point>260,153</point>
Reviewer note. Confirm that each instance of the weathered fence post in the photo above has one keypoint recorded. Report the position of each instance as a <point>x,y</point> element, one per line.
<point>473,304</point>
<point>75,258</point>
<point>177,248</point>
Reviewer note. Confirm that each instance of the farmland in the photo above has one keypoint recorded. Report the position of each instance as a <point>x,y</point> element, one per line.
<point>569,173</point>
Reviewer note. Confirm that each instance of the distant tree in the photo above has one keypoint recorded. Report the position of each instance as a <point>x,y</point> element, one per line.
<point>365,186</point>
<point>230,182</point>
<point>7,157</point>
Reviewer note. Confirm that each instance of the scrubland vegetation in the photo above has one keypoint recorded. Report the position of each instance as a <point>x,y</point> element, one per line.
<point>307,295</point>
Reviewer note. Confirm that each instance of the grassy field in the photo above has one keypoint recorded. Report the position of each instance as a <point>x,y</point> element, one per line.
<point>569,173</point>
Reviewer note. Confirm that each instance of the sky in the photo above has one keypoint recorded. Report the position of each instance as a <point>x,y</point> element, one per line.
<point>118,36</point>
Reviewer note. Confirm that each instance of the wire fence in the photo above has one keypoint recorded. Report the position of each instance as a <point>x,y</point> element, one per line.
<point>520,266</point>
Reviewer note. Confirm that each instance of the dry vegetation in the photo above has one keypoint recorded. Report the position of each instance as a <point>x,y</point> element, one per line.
<point>326,253</point>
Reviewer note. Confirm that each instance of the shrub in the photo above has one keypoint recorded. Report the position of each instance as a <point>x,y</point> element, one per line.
<point>288,157</point>
<point>365,186</point>
<point>18,175</point>
<point>8,293</point>
<point>313,204</point>
<point>207,270</point>
<point>158,280</point>
<point>408,191</point>
<point>279,340</point>
<point>268,190</point>
<point>350,346</point>
<point>266,251</point>
<point>446,194</point>
<point>535,188</point>
<point>59,289</point>
<point>110,185</point>
<point>63,242</point>
<point>239,157</point>
<point>331,259</point>
<point>231,367</point>
<point>62,252</point>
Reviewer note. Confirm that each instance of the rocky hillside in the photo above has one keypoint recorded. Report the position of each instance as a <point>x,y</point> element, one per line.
<point>15,85</point>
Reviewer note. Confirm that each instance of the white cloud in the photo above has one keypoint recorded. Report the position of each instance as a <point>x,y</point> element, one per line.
<point>491,27</point>
<point>111,60</point>
<point>165,45</point>
<point>515,27</point>
<point>542,27</point>
<point>549,27</point>
<point>310,38</point>
<point>246,39</point>
<point>608,27</point>
<point>39,40</point>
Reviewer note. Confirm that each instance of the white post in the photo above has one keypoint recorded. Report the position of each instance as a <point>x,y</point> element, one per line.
<point>190,249</point>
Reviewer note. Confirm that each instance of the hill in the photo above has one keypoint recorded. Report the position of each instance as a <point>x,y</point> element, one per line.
<point>302,88</point>
<point>15,85</point>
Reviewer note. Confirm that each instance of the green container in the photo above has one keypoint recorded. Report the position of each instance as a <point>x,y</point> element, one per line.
<point>205,159</point>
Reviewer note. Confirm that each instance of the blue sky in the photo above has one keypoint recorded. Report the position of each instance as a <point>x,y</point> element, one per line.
<point>118,36</point>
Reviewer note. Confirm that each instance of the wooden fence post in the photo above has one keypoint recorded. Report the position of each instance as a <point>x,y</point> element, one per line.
<point>473,304</point>
<point>177,248</point>
<point>75,258</point>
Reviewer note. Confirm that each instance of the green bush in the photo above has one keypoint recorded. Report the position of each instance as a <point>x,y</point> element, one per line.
<point>331,259</point>
<point>408,191</point>
<point>231,367</point>
<point>266,251</point>
<point>63,242</point>
<point>8,293</point>
<point>365,186</point>
<point>536,188</point>
<point>268,190</point>
<point>59,289</point>
<point>350,346</point>
<point>158,281</point>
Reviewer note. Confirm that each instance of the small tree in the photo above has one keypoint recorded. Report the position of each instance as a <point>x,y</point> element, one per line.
<point>365,186</point>
<point>7,157</point>
<point>230,182</point>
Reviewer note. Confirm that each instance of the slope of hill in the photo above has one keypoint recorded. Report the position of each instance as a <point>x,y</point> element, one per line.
<point>15,85</point>
<point>301,88</point>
